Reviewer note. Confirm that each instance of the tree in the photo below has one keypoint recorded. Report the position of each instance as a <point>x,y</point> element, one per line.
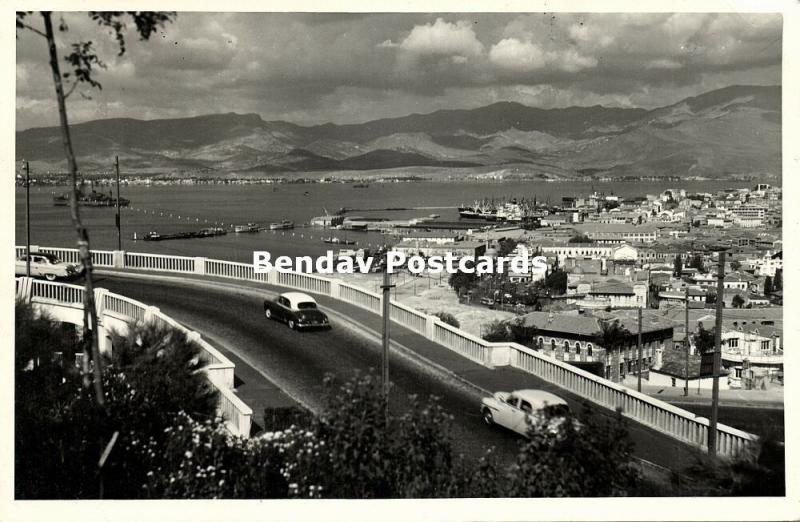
<point>505,247</point>
<point>768,286</point>
<point>737,301</point>
<point>496,332</point>
<point>736,265</point>
<point>448,318</point>
<point>154,374</point>
<point>82,63</point>
<point>677,269</point>
<point>612,335</point>
<point>566,459</point>
<point>580,238</point>
<point>697,262</point>
<point>703,340</point>
<point>556,282</point>
<point>777,283</point>
<point>463,281</point>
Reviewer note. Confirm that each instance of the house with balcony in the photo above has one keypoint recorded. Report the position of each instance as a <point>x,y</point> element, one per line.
<point>577,338</point>
<point>752,346</point>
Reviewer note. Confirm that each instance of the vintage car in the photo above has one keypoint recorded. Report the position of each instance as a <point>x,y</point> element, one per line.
<point>296,309</point>
<point>522,409</point>
<point>46,265</point>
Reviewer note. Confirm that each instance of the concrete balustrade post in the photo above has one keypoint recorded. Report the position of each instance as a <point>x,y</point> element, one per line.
<point>34,248</point>
<point>100,302</point>
<point>334,289</point>
<point>118,258</point>
<point>25,289</point>
<point>200,265</point>
<point>272,277</point>
<point>430,326</point>
<point>150,313</point>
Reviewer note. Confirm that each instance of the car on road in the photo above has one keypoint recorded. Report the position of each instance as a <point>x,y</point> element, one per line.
<point>46,265</point>
<point>296,309</point>
<point>521,409</point>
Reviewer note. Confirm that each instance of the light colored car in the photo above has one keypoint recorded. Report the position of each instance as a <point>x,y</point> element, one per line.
<point>46,265</point>
<point>296,309</point>
<point>521,409</point>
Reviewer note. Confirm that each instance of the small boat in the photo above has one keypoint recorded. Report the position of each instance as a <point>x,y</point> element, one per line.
<point>336,241</point>
<point>250,227</point>
<point>283,225</point>
<point>434,216</point>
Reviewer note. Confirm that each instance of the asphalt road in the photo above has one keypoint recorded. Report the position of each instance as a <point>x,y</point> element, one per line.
<point>298,361</point>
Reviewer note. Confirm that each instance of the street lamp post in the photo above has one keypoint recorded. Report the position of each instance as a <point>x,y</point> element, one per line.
<point>386,287</point>
<point>712,428</point>
<point>27,219</point>
<point>119,229</point>
<point>639,350</point>
<point>686,341</point>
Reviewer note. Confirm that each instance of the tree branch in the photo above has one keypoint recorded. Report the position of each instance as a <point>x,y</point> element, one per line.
<point>31,28</point>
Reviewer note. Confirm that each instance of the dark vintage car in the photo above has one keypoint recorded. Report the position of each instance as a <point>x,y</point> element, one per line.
<point>296,309</point>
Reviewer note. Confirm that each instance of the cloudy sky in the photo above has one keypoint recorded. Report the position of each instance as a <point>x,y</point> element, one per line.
<point>345,68</point>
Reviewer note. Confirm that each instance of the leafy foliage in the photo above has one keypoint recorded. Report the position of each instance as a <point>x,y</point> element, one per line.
<point>463,282</point>
<point>60,429</point>
<point>496,331</point>
<point>704,340</point>
<point>568,459</point>
<point>580,238</point>
<point>448,318</point>
<point>556,282</point>
<point>737,301</point>
<point>677,266</point>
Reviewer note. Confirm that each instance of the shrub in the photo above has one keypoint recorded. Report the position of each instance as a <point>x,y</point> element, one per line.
<point>448,318</point>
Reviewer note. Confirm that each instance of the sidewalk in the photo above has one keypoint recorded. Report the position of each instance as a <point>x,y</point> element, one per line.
<point>772,398</point>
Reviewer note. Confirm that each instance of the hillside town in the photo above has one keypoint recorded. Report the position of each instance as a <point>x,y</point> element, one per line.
<point>610,256</point>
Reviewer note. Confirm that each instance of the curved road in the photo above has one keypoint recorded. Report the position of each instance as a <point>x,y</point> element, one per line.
<point>297,362</point>
<point>230,315</point>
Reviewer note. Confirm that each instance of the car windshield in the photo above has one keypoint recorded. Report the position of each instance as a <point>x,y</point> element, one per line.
<point>306,305</point>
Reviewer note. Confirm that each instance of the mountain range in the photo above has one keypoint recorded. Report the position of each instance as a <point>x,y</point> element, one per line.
<point>726,132</point>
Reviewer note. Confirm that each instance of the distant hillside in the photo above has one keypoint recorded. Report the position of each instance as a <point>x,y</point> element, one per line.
<point>735,130</point>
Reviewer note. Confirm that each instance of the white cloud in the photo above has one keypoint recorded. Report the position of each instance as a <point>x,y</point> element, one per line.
<point>510,53</point>
<point>443,37</point>
<point>514,55</point>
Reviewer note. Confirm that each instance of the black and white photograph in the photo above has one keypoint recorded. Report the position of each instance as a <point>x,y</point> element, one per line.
<point>309,255</point>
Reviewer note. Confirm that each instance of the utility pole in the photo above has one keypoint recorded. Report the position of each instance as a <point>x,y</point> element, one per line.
<point>712,428</point>
<point>639,349</point>
<point>387,287</point>
<point>27,219</point>
<point>687,342</point>
<point>119,229</point>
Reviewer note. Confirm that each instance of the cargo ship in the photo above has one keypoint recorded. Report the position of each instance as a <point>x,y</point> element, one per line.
<point>250,227</point>
<point>205,232</point>
<point>93,199</point>
<point>283,225</point>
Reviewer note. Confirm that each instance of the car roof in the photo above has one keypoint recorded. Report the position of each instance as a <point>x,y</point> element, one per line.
<point>297,297</point>
<point>51,257</point>
<point>539,398</point>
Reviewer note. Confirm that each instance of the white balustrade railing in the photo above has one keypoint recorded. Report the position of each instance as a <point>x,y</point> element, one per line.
<point>101,258</point>
<point>220,369</point>
<point>668,419</point>
<point>159,262</point>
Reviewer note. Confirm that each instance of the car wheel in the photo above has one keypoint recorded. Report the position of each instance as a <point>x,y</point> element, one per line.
<point>268,313</point>
<point>50,277</point>
<point>488,418</point>
<point>291,324</point>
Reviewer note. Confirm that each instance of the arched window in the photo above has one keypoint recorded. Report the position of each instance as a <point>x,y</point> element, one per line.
<point>577,348</point>
<point>553,344</point>
<point>540,343</point>
<point>566,346</point>
<point>589,349</point>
